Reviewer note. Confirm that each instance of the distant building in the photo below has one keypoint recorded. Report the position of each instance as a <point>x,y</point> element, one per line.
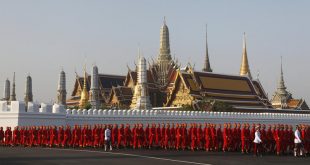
<point>106,83</point>
<point>168,85</point>
<point>282,99</point>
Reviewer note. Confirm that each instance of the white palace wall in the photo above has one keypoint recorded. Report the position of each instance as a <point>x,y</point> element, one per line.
<point>15,115</point>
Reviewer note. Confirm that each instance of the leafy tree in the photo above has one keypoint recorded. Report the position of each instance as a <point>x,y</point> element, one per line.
<point>214,105</point>
<point>187,107</point>
<point>205,104</point>
<point>220,106</point>
<point>87,106</point>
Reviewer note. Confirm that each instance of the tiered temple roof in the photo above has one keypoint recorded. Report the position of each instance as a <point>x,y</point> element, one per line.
<point>238,91</point>
<point>106,82</point>
<point>120,96</point>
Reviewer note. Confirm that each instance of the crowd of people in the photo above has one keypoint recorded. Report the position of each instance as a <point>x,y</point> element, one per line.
<point>279,139</point>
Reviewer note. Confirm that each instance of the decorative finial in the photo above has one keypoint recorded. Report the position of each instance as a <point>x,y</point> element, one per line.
<point>128,67</point>
<point>76,74</point>
<point>281,68</point>
<point>244,40</point>
<point>257,76</point>
<point>139,52</point>
<point>206,30</point>
<point>164,20</point>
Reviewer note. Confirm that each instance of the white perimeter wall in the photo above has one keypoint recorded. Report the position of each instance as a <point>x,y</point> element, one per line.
<point>15,115</point>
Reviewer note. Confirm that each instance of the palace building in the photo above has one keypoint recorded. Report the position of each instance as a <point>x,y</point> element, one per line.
<point>163,83</point>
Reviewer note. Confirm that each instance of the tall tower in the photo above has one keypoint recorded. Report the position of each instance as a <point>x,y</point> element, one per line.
<point>207,66</point>
<point>245,68</point>
<point>61,90</point>
<point>281,89</point>
<point>28,91</point>
<point>84,95</point>
<point>164,57</point>
<point>13,95</point>
<point>94,89</point>
<point>141,98</point>
<point>6,94</point>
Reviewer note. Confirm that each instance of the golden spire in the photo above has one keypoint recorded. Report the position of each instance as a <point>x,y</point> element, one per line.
<point>245,68</point>
<point>164,57</point>
<point>84,94</point>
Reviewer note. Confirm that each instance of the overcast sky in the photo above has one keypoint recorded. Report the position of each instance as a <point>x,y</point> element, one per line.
<point>42,36</point>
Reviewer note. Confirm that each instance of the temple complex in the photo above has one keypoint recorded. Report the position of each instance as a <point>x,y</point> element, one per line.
<point>165,84</point>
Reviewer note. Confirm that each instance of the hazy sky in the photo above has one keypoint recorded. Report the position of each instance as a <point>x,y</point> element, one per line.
<point>42,36</point>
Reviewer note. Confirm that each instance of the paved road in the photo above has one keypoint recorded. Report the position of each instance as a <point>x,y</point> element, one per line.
<point>45,156</point>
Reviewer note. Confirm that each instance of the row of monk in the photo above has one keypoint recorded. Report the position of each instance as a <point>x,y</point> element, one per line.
<point>277,138</point>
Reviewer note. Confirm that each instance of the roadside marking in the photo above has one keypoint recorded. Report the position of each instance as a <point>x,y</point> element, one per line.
<point>133,155</point>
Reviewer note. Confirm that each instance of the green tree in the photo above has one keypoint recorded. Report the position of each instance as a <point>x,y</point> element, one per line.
<point>207,104</point>
<point>87,106</point>
<point>187,107</point>
<point>220,106</point>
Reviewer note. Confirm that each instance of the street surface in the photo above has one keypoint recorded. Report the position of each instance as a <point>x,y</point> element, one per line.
<point>55,156</point>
